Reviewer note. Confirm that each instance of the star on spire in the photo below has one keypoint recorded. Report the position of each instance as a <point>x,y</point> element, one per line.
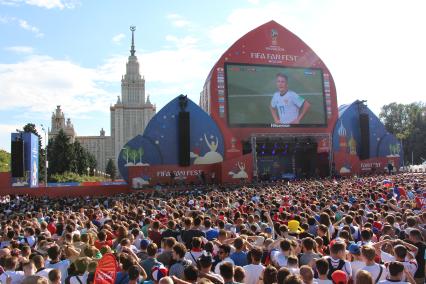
<point>132,50</point>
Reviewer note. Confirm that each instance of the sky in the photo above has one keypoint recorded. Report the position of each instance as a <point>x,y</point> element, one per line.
<point>73,53</point>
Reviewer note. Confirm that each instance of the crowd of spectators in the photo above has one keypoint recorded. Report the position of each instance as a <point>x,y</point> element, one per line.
<point>358,230</point>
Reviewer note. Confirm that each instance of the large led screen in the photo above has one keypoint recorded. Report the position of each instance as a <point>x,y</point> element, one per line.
<point>271,96</point>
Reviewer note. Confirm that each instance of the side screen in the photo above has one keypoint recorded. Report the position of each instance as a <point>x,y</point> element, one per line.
<point>271,96</point>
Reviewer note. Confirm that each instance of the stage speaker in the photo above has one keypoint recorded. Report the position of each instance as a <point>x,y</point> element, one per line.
<point>17,157</point>
<point>246,147</point>
<point>364,124</point>
<point>184,139</point>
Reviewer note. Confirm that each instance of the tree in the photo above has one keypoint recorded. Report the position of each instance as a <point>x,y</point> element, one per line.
<point>60,154</point>
<point>4,161</point>
<point>92,163</point>
<point>110,169</point>
<point>30,127</point>
<point>408,124</point>
<point>80,160</point>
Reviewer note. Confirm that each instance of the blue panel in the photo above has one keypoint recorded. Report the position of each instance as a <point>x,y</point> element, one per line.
<point>160,139</point>
<point>30,160</point>
<point>382,143</point>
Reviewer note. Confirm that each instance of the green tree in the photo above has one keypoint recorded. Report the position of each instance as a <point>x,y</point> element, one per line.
<point>133,154</point>
<point>110,169</point>
<point>140,152</point>
<point>80,160</point>
<point>92,163</point>
<point>60,154</point>
<point>30,127</point>
<point>408,123</point>
<point>4,161</point>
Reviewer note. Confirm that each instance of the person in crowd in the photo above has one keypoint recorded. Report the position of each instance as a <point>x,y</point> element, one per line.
<point>151,261</point>
<point>396,273</point>
<point>321,266</point>
<point>239,257</point>
<point>55,276</point>
<point>378,271</point>
<point>355,258</point>
<point>337,261</point>
<point>224,252</point>
<point>362,277</point>
<point>180,263</point>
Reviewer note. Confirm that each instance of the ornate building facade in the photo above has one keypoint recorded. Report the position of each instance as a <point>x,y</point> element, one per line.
<point>128,116</point>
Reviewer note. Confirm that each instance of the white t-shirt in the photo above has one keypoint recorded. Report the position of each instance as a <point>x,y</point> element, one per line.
<point>217,268</point>
<point>356,266</point>
<point>326,281</point>
<point>17,276</point>
<point>44,272</point>
<point>62,266</point>
<point>279,258</point>
<point>83,279</point>
<point>375,271</point>
<point>411,266</point>
<point>253,273</point>
<point>193,256</point>
<point>287,106</point>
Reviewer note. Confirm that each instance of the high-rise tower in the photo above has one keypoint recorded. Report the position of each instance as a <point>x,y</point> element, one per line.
<point>131,113</point>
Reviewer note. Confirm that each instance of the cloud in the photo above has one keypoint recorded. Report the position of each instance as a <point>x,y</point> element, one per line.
<point>20,49</point>
<point>361,55</point>
<point>183,42</point>
<point>48,4</point>
<point>5,130</point>
<point>39,83</point>
<point>24,24</point>
<point>178,20</point>
<point>117,39</point>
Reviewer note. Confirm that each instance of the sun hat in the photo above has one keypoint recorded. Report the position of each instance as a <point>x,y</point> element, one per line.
<point>294,227</point>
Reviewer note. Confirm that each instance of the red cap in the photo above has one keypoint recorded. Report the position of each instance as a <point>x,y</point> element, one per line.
<point>339,277</point>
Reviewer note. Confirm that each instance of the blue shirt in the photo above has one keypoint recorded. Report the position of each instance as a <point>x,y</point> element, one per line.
<point>239,258</point>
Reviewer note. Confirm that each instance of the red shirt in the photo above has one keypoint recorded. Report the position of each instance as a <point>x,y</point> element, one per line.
<point>51,227</point>
<point>99,244</point>
<point>155,236</point>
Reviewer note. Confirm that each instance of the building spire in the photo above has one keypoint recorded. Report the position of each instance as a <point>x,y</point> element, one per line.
<point>132,50</point>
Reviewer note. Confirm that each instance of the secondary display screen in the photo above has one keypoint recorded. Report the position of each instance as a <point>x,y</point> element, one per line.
<point>271,96</point>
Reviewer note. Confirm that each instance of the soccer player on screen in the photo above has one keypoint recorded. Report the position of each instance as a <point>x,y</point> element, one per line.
<point>287,107</point>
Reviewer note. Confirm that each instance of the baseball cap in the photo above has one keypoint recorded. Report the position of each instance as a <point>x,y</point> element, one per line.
<point>354,249</point>
<point>268,230</point>
<point>159,272</point>
<point>339,277</point>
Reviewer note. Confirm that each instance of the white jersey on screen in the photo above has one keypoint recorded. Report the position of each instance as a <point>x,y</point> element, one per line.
<point>287,106</point>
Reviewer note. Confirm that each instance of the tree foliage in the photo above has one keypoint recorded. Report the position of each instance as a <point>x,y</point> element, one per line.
<point>111,169</point>
<point>65,157</point>
<point>4,161</point>
<point>408,123</point>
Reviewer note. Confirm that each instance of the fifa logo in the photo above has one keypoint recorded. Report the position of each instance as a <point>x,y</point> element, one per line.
<point>274,36</point>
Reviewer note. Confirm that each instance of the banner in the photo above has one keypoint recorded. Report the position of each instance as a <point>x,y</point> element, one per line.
<point>107,270</point>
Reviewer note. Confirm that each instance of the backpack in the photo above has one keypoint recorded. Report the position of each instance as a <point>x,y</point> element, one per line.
<point>380,274</point>
<point>331,269</point>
